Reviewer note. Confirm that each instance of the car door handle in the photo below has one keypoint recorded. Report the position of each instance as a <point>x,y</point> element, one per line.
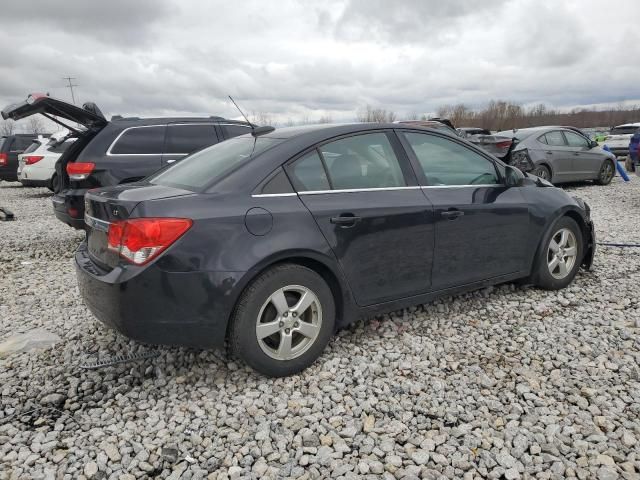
<point>549,152</point>
<point>346,220</point>
<point>452,214</point>
<point>576,153</point>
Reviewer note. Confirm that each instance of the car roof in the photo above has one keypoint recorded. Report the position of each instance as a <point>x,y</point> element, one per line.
<point>319,132</point>
<point>637,124</point>
<point>154,120</point>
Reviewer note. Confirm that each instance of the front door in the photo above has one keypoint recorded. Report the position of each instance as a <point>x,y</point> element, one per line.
<point>559,156</point>
<point>586,161</point>
<point>364,198</point>
<point>482,226</point>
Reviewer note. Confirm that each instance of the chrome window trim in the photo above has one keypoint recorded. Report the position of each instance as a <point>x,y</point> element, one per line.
<point>356,190</point>
<point>267,195</point>
<point>465,185</point>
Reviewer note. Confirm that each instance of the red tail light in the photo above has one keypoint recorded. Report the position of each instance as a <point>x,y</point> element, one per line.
<point>80,170</point>
<point>139,240</point>
<point>31,159</point>
<point>3,159</point>
<point>505,144</point>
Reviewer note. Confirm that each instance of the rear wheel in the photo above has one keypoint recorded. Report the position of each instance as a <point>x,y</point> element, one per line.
<point>606,173</point>
<point>543,172</point>
<point>283,320</point>
<point>560,255</point>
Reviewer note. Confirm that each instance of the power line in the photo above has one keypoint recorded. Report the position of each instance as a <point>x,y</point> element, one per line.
<point>70,87</point>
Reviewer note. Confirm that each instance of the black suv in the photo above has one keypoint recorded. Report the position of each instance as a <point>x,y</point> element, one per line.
<point>10,147</point>
<point>123,150</point>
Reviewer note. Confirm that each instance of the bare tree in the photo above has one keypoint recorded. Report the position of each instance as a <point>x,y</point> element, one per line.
<point>325,119</point>
<point>7,127</point>
<point>35,125</point>
<point>377,115</point>
<point>261,118</point>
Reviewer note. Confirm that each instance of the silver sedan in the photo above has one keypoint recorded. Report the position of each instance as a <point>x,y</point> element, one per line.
<point>560,155</point>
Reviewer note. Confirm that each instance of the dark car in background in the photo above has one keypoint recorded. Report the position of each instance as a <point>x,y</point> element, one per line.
<point>272,241</point>
<point>10,147</point>
<point>560,154</point>
<point>122,150</point>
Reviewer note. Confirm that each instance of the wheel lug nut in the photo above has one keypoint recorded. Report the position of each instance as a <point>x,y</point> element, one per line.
<point>295,324</point>
<point>294,314</point>
<point>281,324</point>
<point>287,331</point>
<point>285,314</point>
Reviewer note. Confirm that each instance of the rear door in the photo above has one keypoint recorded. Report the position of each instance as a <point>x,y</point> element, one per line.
<point>559,156</point>
<point>365,200</point>
<point>184,138</point>
<point>586,161</point>
<point>481,226</point>
<point>134,154</point>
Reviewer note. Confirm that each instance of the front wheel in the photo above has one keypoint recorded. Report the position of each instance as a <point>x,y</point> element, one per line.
<point>606,173</point>
<point>283,320</point>
<point>560,255</point>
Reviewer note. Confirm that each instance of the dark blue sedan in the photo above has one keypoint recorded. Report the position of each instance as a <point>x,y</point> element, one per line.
<point>273,240</point>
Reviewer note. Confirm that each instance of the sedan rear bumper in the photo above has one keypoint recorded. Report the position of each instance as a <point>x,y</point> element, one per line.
<point>155,306</point>
<point>68,202</point>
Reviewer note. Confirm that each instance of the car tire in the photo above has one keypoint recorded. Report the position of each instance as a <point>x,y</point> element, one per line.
<point>269,335</point>
<point>54,183</point>
<point>556,263</point>
<point>606,173</point>
<point>543,172</point>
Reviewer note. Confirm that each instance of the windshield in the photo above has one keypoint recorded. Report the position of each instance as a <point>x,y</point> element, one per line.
<point>199,170</point>
<point>630,130</point>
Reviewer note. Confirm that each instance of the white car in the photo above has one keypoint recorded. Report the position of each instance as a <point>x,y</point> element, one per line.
<point>619,138</point>
<point>37,164</point>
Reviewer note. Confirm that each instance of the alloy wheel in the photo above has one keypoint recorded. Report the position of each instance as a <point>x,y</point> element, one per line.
<point>562,253</point>
<point>289,322</point>
<point>606,172</point>
<point>542,172</point>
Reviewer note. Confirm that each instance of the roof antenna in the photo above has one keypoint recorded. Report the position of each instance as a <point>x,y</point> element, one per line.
<point>255,130</point>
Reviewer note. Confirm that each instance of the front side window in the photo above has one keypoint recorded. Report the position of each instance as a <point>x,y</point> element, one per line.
<point>206,166</point>
<point>362,161</point>
<point>308,174</point>
<point>555,138</point>
<point>445,162</point>
<point>183,139</point>
<point>575,140</point>
<point>140,140</point>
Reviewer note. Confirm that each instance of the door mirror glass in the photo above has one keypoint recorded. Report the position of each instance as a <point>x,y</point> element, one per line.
<point>513,177</point>
<point>593,144</point>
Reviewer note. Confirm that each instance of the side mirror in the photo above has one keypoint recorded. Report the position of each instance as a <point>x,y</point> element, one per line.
<point>593,144</point>
<point>513,177</point>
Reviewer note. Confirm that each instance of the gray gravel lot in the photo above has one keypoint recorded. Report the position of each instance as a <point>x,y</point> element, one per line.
<point>507,382</point>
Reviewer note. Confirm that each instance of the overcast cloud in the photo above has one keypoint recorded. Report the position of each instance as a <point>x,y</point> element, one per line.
<point>303,59</point>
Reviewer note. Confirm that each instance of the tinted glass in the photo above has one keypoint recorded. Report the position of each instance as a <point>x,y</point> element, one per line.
<point>202,168</point>
<point>542,139</point>
<point>139,140</point>
<point>624,130</point>
<point>21,143</point>
<point>189,138</point>
<point>362,161</point>
<point>235,130</point>
<point>307,173</point>
<point>61,147</point>
<point>278,184</point>
<point>575,140</point>
<point>446,162</point>
<point>555,138</point>
<point>34,146</point>
<point>2,139</point>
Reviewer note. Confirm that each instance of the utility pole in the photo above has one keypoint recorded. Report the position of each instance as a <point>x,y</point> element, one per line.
<point>70,86</point>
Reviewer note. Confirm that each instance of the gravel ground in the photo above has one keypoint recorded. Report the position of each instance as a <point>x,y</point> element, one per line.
<point>507,382</point>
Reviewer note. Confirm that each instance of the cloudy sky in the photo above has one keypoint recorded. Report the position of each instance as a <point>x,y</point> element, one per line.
<point>305,59</point>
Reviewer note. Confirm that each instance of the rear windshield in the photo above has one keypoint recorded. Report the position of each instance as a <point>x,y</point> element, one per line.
<point>199,170</point>
<point>624,130</point>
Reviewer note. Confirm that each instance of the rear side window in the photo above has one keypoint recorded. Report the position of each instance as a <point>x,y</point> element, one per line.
<point>21,143</point>
<point>308,174</point>
<point>445,162</point>
<point>139,141</point>
<point>61,147</point>
<point>34,146</point>
<point>235,130</point>
<point>204,167</point>
<point>184,139</point>
<point>555,139</point>
<point>362,161</point>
